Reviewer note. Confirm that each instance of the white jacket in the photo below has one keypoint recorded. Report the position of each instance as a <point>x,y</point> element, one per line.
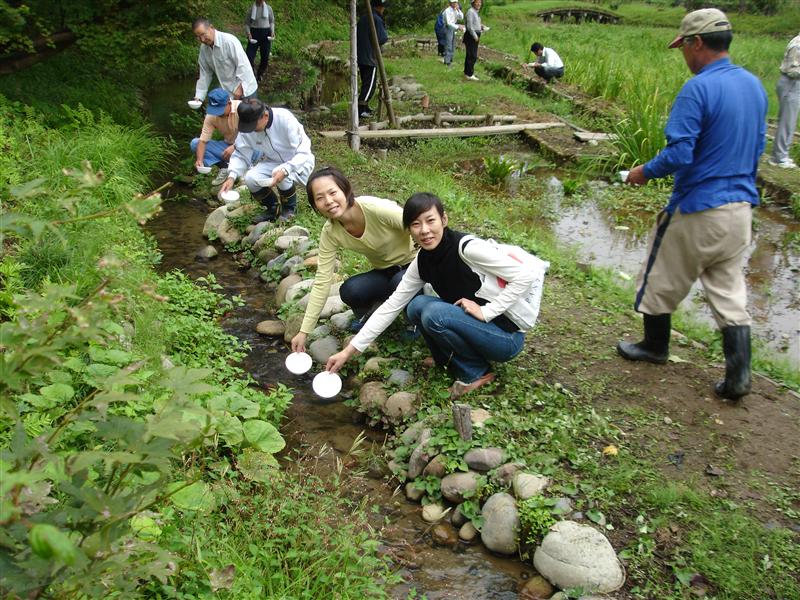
<point>483,258</point>
<point>283,143</point>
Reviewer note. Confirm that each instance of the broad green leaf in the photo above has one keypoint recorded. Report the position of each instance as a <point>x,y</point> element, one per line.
<point>145,527</point>
<point>230,428</point>
<point>58,393</point>
<point>197,496</point>
<point>255,465</point>
<point>99,372</point>
<point>110,356</point>
<point>263,436</point>
<point>242,407</point>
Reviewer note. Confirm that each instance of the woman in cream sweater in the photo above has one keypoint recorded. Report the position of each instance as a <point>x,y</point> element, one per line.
<point>368,225</point>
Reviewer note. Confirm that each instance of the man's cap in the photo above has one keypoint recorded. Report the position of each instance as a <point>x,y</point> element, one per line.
<point>378,2</point>
<point>217,101</point>
<point>705,20</point>
<point>250,111</point>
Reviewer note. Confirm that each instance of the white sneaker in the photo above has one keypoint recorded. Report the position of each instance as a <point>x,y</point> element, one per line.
<point>471,77</point>
<point>786,163</point>
<point>221,177</point>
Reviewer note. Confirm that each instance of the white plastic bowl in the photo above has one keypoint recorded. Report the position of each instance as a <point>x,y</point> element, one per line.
<point>298,363</point>
<point>204,170</point>
<point>253,41</point>
<point>327,384</point>
<point>195,104</point>
<point>623,176</point>
<point>229,196</point>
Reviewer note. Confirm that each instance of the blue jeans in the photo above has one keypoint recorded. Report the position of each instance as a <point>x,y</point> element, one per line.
<point>213,153</point>
<point>459,341</point>
<point>360,292</point>
<point>449,45</point>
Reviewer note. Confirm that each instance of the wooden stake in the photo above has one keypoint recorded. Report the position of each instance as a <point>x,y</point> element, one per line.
<point>462,421</point>
<point>355,140</point>
<point>387,100</point>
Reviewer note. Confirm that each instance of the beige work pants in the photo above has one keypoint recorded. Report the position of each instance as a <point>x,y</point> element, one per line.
<point>709,245</point>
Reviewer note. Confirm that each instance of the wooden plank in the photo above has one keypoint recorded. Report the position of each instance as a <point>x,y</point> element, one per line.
<point>450,132</point>
<point>587,136</point>
<point>448,118</point>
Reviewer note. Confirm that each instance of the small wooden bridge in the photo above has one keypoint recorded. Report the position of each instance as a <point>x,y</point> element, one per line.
<point>578,15</point>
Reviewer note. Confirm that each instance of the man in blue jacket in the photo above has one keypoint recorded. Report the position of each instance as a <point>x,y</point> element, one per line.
<point>715,135</point>
<point>367,64</point>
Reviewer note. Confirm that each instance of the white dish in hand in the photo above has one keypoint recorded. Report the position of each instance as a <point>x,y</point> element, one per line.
<point>623,176</point>
<point>253,41</point>
<point>327,384</point>
<point>298,362</point>
<point>195,104</point>
<point>204,170</point>
<point>229,196</point>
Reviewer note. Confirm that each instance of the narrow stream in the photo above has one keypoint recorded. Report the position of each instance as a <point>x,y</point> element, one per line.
<point>464,572</point>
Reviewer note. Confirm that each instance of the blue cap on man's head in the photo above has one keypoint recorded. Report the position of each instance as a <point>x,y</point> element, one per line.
<point>217,101</point>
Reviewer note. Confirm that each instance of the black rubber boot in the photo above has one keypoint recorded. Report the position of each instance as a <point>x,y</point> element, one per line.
<point>288,204</point>
<point>654,347</point>
<point>736,346</point>
<point>270,202</point>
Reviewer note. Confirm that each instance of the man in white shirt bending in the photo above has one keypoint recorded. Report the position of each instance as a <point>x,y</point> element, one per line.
<point>548,64</point>
<point>221,54</point>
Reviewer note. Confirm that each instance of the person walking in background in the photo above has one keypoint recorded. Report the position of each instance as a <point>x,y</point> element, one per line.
<point>370,226</point>
<point>472,38</point>
<point>284,158</point>
<point>715,135</point>
<point>440,29</point>
<point>548,64</point>
<point>259,25</point>
<point>221,116</point>
<point>221,54</point>
<point>367,64</point>
<point>452,15</point>
<point>789,106</point>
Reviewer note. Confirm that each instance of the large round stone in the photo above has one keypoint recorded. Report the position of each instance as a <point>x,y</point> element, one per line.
<point>467,532</point>
<point>274,328</point>
<point>484,459</point>
<point>435,468</point>
<point>215,219</point>
<point>443,534</point>
<point>536,588</point>
<point>299,289</point>
<point>285,242</point>
<point>283,287</point>
<point>297,231</point>
<point>433,512</point>
<point>457,486</point>
<point>420,457</point>
<point>372,396</point>
<point>321,350</point>
<point>578,556</point>
<point>527,485</point>
<point>500,524</point>
<point>401,405</point>
<point>207,252</point>
<point>293,325</point>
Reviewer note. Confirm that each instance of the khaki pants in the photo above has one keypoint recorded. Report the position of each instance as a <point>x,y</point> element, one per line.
<point>708,245</point>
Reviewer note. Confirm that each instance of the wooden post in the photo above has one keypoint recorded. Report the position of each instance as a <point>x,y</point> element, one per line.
<point>355,139</point>
<point>387,100</point>
<point>489,120</point>
<point>437,119</point>
<point>462,421</point>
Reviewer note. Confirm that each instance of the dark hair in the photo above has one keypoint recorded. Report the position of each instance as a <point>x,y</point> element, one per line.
<point>536,46</point>
<point>717,41</point>
<point>418,204</point>
<point>251,109</point>
<point>377,3</point>
<point>200,21</point>
<point>338,177</point>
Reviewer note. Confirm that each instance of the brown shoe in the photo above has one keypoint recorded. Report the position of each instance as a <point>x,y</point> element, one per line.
<point>459,388</point>
<point>428,363</point>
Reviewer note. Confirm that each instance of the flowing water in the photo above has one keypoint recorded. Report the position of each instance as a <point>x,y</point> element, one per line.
<point>463,572</point>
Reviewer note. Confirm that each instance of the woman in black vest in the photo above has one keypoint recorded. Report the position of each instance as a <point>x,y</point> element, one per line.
<point>464,331</point>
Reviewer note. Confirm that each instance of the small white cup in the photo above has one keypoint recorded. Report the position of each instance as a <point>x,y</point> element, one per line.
<point>623,176</point>
<point>195,104</point>
<point>229,196</point>
<point>204,170</point>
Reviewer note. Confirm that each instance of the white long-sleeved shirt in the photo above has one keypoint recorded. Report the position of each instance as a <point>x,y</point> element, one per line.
<point>227,59</point>
<point>550,58</point>
<point>452,16</point>
<point>479,255</point>
<point>283,143</point>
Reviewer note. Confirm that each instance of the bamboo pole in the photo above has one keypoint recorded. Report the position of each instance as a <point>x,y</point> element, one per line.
<point>355,140</point>
<point>387,100</point>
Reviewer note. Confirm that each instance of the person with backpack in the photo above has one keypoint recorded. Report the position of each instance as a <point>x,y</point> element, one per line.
<point>440,30</point>
<point>452,15</point>
<point>488,297</point>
